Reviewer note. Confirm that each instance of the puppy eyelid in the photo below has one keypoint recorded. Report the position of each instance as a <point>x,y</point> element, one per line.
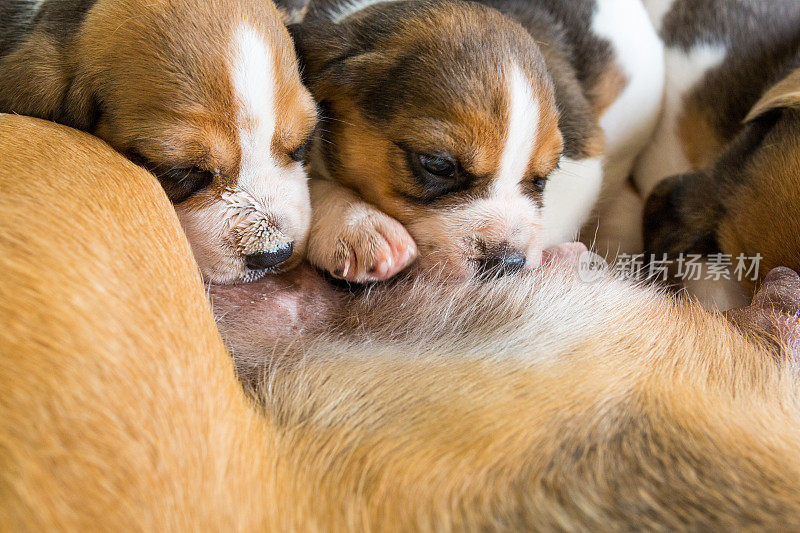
<point>174,178</point>
<point>305,144</point>
<point>299,153</point>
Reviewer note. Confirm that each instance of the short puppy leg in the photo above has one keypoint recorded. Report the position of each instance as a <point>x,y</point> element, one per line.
<point>353,240</point>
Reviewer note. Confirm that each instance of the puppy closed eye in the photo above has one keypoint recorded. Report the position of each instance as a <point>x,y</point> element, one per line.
<point>437,172</point>
<point>299,153</point>
<point>535,186</point>
<point>437,165</point>
<point>180,183</point>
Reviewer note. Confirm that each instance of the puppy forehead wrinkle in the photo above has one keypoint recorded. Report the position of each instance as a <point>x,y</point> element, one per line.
<point>521,130</point>
<point>253,81</point>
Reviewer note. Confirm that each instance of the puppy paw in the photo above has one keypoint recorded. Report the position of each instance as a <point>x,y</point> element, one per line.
<point>360,245</point>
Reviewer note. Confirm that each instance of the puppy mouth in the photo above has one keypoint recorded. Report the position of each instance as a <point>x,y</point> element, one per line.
<point>254,275</point>
<point>234,269</point>
<point>474,257</point>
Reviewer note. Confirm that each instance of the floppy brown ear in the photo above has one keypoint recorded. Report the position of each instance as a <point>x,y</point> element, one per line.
<point>785,93</point>
<point>319,43</point>
<point>36,92</point>
<point>327,55</point>
<point>51,91</point>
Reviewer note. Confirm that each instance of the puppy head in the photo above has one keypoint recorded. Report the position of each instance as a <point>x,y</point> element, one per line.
<point>208,97</point>
<point>452,131</point>
<point>746,201</point>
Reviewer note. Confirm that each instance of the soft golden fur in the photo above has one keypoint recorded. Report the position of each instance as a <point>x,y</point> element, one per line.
<point>119,404</point>
<point>538,402</point>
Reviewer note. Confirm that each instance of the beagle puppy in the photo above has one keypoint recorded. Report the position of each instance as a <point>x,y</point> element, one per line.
<point>723,172</point>
<point>538,403</point>
<point>472,134</point>
<point>205,95</point>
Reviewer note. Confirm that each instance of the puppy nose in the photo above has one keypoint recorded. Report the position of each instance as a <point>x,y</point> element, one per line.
<point>264,260</point>
<point>502,263</point>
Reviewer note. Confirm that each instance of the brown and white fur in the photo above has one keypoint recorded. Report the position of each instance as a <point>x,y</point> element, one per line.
<point>537,403</point>
<point>722,173</point>
<point>511,95</point>
<point>206,95</point>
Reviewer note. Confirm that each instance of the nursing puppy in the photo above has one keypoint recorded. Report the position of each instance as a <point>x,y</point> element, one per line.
<point>206,95</point>
<point>471,407</point>
<point>471,133</point>
<point>723,172</point>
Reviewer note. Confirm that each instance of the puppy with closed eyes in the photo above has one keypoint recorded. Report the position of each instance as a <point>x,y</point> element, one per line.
<point>723,171</point>
<point>205,95</point>
<point>472,134</point>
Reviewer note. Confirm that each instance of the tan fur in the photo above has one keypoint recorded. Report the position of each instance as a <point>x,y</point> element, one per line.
<point>538,402</point>
<point>721,173</point>
<point>607,89</point>
<point>37,58</point>
<point>700,141</point>
<point>762,217</point>
<point>104,423</point>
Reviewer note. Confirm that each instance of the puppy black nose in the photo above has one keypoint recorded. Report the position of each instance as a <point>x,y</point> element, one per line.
<point>502,263</point>
<point>264,260</point>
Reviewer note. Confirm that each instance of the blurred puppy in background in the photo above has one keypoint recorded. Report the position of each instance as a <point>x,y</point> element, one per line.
<point>473,133</point>
<point>206,95</point>
<point>723,173</point>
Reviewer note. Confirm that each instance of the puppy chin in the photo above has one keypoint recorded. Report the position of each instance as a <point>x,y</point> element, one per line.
<point>441,264</point>
<point>227,271</point>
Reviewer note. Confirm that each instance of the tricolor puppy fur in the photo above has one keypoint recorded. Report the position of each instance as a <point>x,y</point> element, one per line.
<point>723,173</point>
<point>539,403</point>
<point>471,132</point>
<point>204,94</point>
